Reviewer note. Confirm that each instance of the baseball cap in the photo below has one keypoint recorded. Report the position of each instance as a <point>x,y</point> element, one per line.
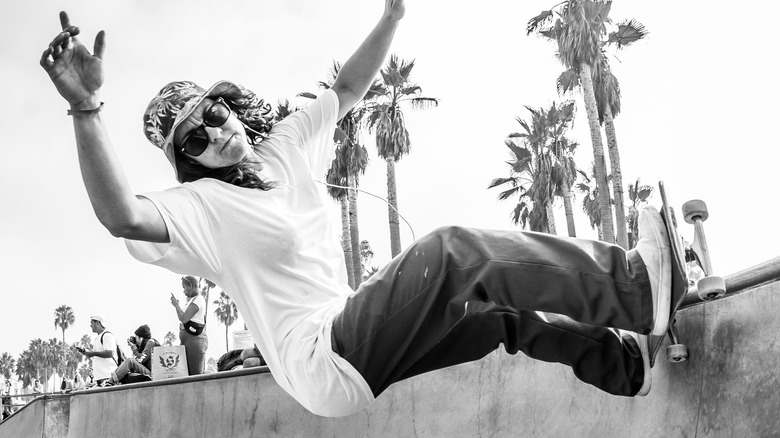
<point>98,317</point>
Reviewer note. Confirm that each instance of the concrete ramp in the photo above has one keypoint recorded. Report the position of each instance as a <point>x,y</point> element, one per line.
<point>730,386</point>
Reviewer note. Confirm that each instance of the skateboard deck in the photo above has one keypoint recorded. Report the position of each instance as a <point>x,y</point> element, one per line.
<point>680,282</point>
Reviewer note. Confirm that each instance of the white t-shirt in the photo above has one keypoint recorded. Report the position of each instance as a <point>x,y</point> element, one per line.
<point>200,315</point>
<point>102,366</point>
<point>277,254</point>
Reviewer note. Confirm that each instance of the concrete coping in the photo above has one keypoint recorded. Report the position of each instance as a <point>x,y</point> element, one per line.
<point>175,380</point>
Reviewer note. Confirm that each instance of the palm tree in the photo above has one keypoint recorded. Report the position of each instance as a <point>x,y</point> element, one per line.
<point>170,338</point>
<point>638,194</point>
<point>26,371</point>
<point>226,312</point>
<point>206,291</point>
<point>63,318</point>
<point>337,189</point>
<point>589,189</point>
<point>85,370</point>
<point>283,109</point>
<point>343,176</point>
<point>529,179</point>
<point>85,342</point>
<point>55,357</point>
<point>558,120</point>
<point>7,364</point>
<point>575,31</point>
<point>351,161</point>
<point>607,94</point>
<point>386,119</point>
<point>542,167</point>
<point>37,360</point>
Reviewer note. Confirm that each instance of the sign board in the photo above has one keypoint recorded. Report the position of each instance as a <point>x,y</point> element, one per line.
<point>242,339</point>
<point>169,361</point>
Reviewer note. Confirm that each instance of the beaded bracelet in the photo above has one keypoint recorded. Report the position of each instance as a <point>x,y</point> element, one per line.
<point>72,112</point>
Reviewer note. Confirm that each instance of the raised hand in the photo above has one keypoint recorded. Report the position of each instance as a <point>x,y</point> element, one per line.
<point>77,74</point>
<point>395,9</point>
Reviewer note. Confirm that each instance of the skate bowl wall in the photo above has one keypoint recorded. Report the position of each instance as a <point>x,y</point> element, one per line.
<point>730,386</point>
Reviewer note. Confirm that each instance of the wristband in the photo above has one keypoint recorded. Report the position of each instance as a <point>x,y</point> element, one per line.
<point>72,112</point>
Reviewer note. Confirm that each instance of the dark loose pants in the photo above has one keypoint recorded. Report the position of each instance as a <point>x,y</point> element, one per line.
<point>457,294</point>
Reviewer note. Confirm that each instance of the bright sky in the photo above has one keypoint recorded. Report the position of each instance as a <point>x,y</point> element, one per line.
<point>699,112</point>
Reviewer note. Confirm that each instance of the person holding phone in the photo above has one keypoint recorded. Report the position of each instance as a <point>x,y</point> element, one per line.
<point>192,319</point>
<point>104,352</point>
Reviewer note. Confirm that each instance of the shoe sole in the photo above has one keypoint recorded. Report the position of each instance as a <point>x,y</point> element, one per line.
<point>664,296</point>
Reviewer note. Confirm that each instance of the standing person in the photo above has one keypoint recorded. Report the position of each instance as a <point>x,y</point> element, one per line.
<point>192,325</point>
<point>252,216</point>
<point>103,354</point>
<point>6,401</point>
<point>142,344</point>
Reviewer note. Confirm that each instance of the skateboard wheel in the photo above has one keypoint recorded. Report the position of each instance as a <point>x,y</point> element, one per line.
<point>677,353</point>
<point>694,208</point>
<point>710,288</point>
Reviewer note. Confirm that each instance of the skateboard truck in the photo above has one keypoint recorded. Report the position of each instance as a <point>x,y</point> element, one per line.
<point>710,287</point>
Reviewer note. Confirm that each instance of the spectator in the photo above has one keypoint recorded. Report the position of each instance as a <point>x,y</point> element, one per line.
<point>6,401</point>
<point>193,323</point>
<point>37,387</point>
<point>78,382</point>
<point>140,361</point>
<point>104,358</point>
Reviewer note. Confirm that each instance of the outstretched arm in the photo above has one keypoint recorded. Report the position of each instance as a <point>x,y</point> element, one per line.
<point>78,77</point>
<point>361,68</point>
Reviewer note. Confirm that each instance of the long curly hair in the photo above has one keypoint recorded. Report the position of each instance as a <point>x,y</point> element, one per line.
<point>257,117</point>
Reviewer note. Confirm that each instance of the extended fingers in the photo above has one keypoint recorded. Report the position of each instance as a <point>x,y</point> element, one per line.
<point>64,20</point>
<point>66,26</point>
<point>100,44</point>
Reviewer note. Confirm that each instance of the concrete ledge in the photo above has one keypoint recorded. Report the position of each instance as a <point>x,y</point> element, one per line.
<point>176,380</point>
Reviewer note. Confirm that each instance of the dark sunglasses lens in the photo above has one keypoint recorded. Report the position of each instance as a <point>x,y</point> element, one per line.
<point>216,115</point>
<point>196,143</point>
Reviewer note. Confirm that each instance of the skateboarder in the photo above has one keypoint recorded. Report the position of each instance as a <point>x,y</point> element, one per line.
<point>252,217</point>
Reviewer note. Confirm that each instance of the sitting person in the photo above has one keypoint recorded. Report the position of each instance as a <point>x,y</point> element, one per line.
<point>140,361</point>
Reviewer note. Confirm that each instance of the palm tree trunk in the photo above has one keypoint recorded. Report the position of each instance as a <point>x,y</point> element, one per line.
<point>608,234</point>
<point>567,207</point>
<point>392,210</point>
<point>550,219</point>
<point>346,243</point>
<point>621,232</point>
<point>206,294</point>
<point>354,233</point>
<point>227,346</point>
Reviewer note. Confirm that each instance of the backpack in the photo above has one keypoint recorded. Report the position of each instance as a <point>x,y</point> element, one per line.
<point>120,355</point>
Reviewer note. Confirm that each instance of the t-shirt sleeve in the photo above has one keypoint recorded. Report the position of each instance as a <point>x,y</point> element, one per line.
<point>312,129</point>
<point>109,342</point>
<point>191,248</point>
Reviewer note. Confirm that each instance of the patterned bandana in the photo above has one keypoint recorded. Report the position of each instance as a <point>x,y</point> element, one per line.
<point>172,105</point>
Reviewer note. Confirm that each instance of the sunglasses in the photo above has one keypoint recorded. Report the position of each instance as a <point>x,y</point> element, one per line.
<point>197,141</point>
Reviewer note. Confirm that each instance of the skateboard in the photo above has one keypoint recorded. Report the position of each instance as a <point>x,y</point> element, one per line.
<point>685,257</point>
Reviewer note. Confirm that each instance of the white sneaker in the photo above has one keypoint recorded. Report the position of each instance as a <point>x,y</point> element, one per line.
<point>644,348</point>
<point>655,250</point>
